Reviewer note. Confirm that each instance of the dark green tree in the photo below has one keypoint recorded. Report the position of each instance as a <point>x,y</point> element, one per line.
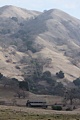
<point>60,74</point>
<point>72,94</point>
<point>46,74</point>
<point>1,75</point>
<point>15,19</point>
<point>23,85</point>
<point>77,82</point>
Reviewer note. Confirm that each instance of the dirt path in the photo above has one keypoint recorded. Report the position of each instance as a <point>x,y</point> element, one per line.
<point>37,111</point>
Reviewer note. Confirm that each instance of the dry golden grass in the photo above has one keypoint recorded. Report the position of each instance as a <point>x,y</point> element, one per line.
<point>16,113</point>
<point>7,95</point>
<point>24,113</point>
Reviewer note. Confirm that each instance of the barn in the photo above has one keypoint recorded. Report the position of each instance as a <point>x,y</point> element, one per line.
<point>36,103</point>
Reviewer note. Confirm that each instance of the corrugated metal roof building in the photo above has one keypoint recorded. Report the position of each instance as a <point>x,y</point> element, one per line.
<point>36,103</point>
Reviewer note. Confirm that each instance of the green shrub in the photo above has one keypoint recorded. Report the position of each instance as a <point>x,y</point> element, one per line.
<point>15,19</point>
<point>55,107</point>
<point>68,109</point>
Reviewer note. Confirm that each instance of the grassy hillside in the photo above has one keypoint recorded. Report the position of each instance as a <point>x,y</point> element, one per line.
<point>32,42</point>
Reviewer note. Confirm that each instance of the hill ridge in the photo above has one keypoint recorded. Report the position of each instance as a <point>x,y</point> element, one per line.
<point>52,36</point>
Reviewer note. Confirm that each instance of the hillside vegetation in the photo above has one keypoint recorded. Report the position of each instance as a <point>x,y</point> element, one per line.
<point>32,43</point>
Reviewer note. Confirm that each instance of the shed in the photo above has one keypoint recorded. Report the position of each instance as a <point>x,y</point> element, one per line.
<point>36,103</point>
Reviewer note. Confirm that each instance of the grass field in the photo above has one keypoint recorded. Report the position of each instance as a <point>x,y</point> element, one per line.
<point>19,115</point>
<point>24,113</point>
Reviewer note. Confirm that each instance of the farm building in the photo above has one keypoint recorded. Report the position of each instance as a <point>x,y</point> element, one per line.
<point>36,103</point>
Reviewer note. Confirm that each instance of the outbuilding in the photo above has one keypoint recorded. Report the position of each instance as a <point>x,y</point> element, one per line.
<point>36,103</point>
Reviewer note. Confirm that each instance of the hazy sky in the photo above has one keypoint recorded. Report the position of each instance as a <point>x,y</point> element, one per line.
<point>70,6</point>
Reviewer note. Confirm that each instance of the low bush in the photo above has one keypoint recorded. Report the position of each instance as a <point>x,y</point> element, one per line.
<point>55,107</point>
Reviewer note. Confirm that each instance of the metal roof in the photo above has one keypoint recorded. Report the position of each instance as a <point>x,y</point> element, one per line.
<point>37,104</point>
<point>36,101</point>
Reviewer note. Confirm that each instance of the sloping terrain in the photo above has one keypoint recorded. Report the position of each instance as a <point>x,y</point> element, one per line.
<point>52,36</point>
<point>56,36</point>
